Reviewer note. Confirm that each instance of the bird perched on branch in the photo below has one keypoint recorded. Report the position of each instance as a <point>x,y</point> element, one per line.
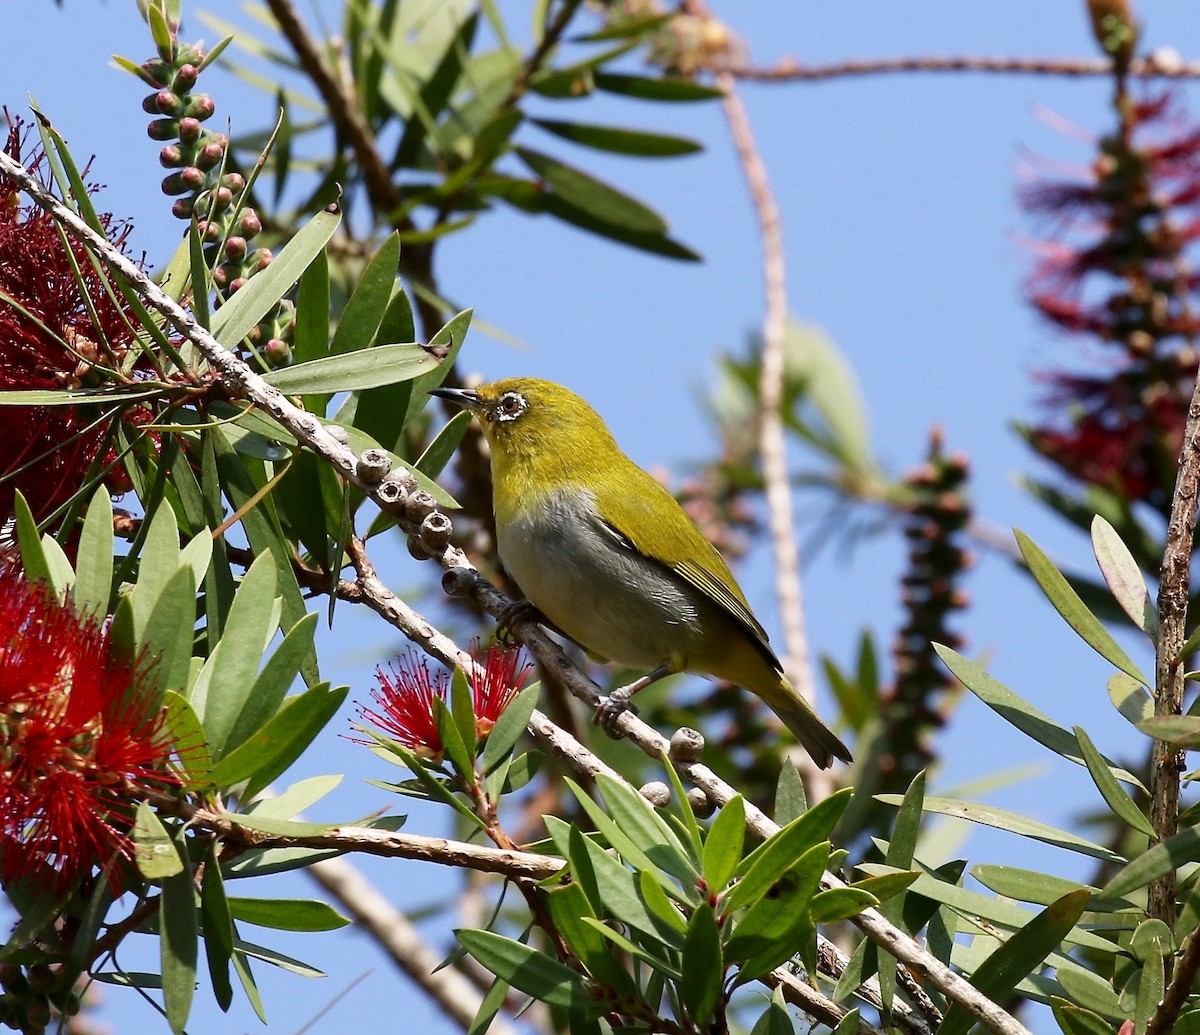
<point>611,559</point>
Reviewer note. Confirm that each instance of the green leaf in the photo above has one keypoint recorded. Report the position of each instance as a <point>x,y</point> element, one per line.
<point>168,634</point>
<point>568,907</point>
<point>619,140</point>
<point>287,914</point>
<point>360,320</point>
<point>355,371</point>
<point>94,560</point>
<point>311,339</point>
<point>274,681</point>
<point>886,885</point>
<point>780,852</point>
<point>462,708</point>
<point>228,677</point>
<point>723,845</point>
<point>703,965</point>
<point>157,565</point>
<point>279,743</point>
<point>1020,713</point>
<point>665,966</point>
<point>509,727</point>
<point>33,557</point>
<point>301,795</point>
<point>452,741</point>
<point>434,96</point>
<point>631,849</point>
<point>1013,823</point>
<point>1162,858</point>
<point>156,856</point>
<point>238,316</point>
<point>438,453</point>
<point>638,820</point>
<point>1032,886</point>
<point>836,904</point>
<point>593,196</point>
<point>187,734</point>
<point>1067,603</point>
<point>1123,576</point>
<point>771,930</point>
<point>790,799</point>
<point>1075,1021</point>
<point>532,972</point>
<point>1129,697</point>
<point>178,941</point>
<point>218,928</point>
<point>1181,730</point>
<point>1114,795</point>
<point>775,1020</point>
<point>663,88</point>
<point>1023,953</point>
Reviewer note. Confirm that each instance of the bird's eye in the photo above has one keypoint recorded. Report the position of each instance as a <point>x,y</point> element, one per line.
<point>511,404</point>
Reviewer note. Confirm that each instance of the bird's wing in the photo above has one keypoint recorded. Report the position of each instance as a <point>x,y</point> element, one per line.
<point>676,544</point>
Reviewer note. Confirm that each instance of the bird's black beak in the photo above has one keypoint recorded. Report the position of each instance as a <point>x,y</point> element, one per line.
<point>467,398</point>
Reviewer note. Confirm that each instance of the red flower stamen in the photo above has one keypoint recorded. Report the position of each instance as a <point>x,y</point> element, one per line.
<point>83,738</point>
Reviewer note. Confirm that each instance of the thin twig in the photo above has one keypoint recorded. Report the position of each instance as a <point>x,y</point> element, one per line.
<point>1173,585</point>
<point>240,380</point>
<point>781,526</point>
<point>1163,1021</point>
<point>1156,66</point>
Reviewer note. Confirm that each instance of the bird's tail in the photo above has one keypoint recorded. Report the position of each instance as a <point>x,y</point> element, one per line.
<point>815,737</point>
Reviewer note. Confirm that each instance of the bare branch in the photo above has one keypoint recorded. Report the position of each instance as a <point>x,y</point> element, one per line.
<point>1161,65</point>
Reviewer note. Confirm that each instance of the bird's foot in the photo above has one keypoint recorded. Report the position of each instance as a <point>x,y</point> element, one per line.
<point>612,707</point>
<point>517,611</point>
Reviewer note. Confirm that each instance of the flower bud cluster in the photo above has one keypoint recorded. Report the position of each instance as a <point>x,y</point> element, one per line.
<point>36,997</point>
<point>206,190</point>
<point>938,512</point>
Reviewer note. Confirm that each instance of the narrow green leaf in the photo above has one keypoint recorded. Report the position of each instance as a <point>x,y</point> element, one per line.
<point>703,964</point>
<point>790,799</point>
<point>1075,1021</point>
<point>218,928</point>
<point>638,820</point>
<point>157,565</point>
<point>228,676</point>
<point>663,88</point>
<point>1181,730</point>
<point>532,972</point>
<point>1067,603</point>
<point>661,963</point>
<point>836,904</point>
<point>438,453</point>
<point>312,311</point>
<point>1162,858</point>
<point>1130,698</point>
<point>303,794</point>
<point>33,557</point>
<point>462,708</point>
<point>187,733</point>
<point>94,560</point>
<point>886,885</point>
<point>1123,576</point>
<point>364,311</point>
<point>287,914</point>
<point>280,741</point>
<point>156,855</point>
<point>169,631</point>
<point>780,852</point>
<point>355,371</point>
<point>593,196</point>
<point>1023,953</point>
<point>775,1020</point>
<point>238,317</point>
<point>509,727</point>
<point>1020,713</point>
<point>723,845</point>
<point>178,941</point>
<point>630,848</point>
<point>619,140</point>
<point>1013,823</point>
<point>1114,795</point>
<point>452,741</point>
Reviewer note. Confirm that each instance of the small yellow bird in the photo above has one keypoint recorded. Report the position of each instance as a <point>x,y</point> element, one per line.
<point>608,555</point>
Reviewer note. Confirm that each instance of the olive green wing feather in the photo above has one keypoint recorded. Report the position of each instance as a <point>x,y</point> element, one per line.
<point>667,535</point>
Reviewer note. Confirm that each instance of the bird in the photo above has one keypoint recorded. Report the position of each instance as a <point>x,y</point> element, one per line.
<point>610,558</point>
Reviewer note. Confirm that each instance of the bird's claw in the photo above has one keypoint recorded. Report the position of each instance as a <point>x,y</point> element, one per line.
<point>611,708</point>
<point>510,615</point>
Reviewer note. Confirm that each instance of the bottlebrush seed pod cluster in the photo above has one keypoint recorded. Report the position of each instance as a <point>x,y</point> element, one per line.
<point>206,191</point>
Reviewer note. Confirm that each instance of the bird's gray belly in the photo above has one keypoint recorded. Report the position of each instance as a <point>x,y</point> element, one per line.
<point>607,597</point>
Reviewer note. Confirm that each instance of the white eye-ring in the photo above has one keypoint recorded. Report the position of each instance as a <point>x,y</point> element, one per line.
<point>510,406</point>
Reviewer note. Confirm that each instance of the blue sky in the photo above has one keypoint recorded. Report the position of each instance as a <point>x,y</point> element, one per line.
<point>904,244</point>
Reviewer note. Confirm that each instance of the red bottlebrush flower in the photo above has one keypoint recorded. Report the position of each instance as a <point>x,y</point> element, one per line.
<point>498,678</point>
<point>83,738</point>
<point>1120,271</point>
<point>60,328</point>
<point>404,704</point>
<point>404,696</point>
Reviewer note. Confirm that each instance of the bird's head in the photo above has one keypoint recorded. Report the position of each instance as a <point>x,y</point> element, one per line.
<point>523,417</point>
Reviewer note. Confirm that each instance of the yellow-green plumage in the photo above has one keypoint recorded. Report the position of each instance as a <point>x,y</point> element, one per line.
<point>609,556</point>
